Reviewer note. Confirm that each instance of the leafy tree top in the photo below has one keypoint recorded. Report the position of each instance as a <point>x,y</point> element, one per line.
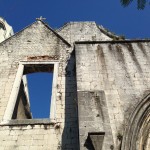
<point>140,3</point>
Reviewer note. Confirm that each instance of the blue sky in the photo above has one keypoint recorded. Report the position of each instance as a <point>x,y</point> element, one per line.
<point>129,21</point>
<point>40,85</point>
<point>124,21</point>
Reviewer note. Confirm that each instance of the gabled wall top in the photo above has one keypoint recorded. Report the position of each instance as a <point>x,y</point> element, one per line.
<point>41,27</point>
<point>85,31</point>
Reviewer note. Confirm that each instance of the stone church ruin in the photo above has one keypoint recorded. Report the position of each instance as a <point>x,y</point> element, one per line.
<point>100,90</point>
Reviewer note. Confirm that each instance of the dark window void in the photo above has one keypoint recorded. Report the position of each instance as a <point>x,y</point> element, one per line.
<point>34,96</point>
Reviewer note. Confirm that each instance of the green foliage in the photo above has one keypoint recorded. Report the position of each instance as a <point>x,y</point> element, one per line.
<point>125,2</point>
<point>140,3</point>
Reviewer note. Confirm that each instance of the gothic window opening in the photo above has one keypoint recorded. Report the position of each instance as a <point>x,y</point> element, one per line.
<point>35,92</point>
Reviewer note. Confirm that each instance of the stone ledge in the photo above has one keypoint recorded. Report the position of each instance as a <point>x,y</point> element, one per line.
<point>112,41</point>
<point>29,122</point>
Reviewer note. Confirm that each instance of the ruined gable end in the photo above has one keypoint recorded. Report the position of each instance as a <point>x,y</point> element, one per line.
<point>100,89</point>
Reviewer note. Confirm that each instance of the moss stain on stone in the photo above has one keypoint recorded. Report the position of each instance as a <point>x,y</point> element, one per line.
<point>133,56</point>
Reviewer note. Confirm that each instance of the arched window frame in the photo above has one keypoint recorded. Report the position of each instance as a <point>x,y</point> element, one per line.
<point>136,126</point>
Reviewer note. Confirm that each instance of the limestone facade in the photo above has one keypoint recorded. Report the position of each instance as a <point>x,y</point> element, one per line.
<point>100,94</point>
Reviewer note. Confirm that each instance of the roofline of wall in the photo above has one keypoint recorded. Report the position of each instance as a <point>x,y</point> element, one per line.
<point>23,122</point>
<point>66,42</point>
<point>46,25</point>
<point>112,42</point>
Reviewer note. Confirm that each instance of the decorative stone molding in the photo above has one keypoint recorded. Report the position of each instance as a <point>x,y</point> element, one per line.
<point>136,133</point>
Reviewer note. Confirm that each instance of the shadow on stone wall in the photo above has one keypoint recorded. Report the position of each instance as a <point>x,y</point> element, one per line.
<point>70,138</point>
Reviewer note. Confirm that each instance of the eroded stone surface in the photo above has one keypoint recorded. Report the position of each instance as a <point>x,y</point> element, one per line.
<point>99,86</point>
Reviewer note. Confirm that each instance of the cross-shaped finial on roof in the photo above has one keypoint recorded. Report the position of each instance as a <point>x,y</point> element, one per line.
<point>40,19</point>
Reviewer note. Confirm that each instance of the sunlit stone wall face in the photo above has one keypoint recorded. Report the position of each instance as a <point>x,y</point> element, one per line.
<point>97,87</point>
<point>83,31</point>
<point>112,78</point>
<point>38,43</point>
<point>5,30</point>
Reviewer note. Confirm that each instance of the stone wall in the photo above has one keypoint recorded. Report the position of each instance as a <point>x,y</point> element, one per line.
<point>26,136</point>
<point>99,84</point>
<point>39,43</point>
<point>82,31</point>
<point>121,71</point>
